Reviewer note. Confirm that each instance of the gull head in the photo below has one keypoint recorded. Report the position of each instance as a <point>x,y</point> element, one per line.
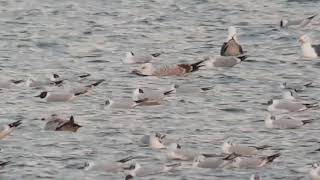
<point>288,95</point>
<point>108,102</point>
<point>129,177</point>
<point>255,177</point>
<point>157,141</point>
<point>128,59</point>
<point>137,93</point>
<point>43,94</point>
<point>54,77</point>
<point>270,102</point>
<point>174,146</point>
<point>232,33</point>
<point>316,165</point>
<point>304,39</point>
<point>197,160</point>
<point>283,23</point>
<point>226,146</point>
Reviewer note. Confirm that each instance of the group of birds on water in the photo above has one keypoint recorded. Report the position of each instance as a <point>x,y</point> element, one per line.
<point>233,155</point>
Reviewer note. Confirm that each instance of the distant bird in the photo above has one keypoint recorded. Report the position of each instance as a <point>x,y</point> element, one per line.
<point>58,96</point>
<point>284,105</point>
<point>309,50</point>
<point>190,89</point>
<point>297,22</point>
<point>56,123</point>
<point>86,88</point>
<point>224,61</point>
<point>109,166</point>
<point>7,129</point>
<point>131,58</point>
<point>240,149</point>
<point>231,47</point>
<point>314,173</point>
<point>176,70</point>
<point>253,162</point>
<point>57,77</point>
<point>285,122</point>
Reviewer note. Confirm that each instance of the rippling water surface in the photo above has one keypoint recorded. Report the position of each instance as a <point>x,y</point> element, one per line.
<point>73,37</point>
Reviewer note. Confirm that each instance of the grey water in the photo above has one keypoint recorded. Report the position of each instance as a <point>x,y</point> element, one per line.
<point>40,37</point>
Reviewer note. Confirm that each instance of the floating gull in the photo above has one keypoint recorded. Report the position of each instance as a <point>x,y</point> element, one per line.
<point>124,103</point>
<point>314,173</point>
<point>231,47</point>
<point>7,129</point>
<point>87,88</point>
<point>131,58</point>
<point>139,171</point>
<point>289,95</point>
<point>295,86</point>
<point>58,96</point>
<point>284,122</point>
<point>243,150</point>
<point>297,22</point>
<point>212,162</point>
<point>223,61</point>
<point>175,152</point>
<point>154,141</point>
<point>309,50</point>
<point>56,123</point>
<point>284,105</point>
<point>111,167</point>
<point>255,177</point>
<point>177,70</point>
<point>253,162</point>
<point>151,94</point>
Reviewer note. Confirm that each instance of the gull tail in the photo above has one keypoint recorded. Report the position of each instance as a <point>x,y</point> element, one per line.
<point>57,83</point>
<point>311,105</point>
<point>206,88</point>
<point>96,83</point>
<point>231,156</point>
<point>197,65</point>
<point>136,72</point>
<point>80,93</point>
<point>261,147</point>
<point>84,75</point>
<point>126,159</point>
<point>242,57</point>
<point>171,91</point>
<point>17,81</point>
<point>307,121</point>
<point>170,167</point>
<point>309,84</point>
<point>313,16</point>
<point>272,157</point>
<point>4,163</point>
<point>155,54</point>
<point>14,124</point>
<point>141,100</point>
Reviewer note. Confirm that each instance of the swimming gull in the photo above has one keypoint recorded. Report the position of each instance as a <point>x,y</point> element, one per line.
<point>8,128</point>
<point>131,58</point>
<point>124,103</point>
<point>176,70</point>
<point>223,61</point>
<point>231,47</point>
<point>110,166</point>
<point>8,83</point>
<point>212,162</point>
<point>62,96</point>
<point>309,50</point>
<point>253,162</point>
<point>296,22</point>
<point>284,105</point>
<point>136,170</point>
<point>56,123</point>
<point>285,122</point>
<point>152,94</point>
<point>240,149</point>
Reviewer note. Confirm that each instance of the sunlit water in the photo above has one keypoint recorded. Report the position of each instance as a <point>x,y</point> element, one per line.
<point>74,37</point>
